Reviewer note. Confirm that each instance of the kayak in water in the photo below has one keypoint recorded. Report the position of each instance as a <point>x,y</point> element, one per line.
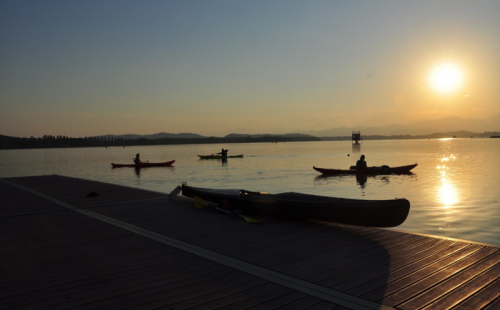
<point>218,156</point>
<point>144,164</point>
<point>370,170</point>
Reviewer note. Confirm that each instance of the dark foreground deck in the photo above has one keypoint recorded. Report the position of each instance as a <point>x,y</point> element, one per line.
<point>130,248</point>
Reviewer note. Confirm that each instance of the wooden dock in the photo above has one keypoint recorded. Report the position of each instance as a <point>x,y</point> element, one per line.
<point>131,248</point>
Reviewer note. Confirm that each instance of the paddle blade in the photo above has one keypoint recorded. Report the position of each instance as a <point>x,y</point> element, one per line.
<point>251,220</point>
<point>175,192</point>
<point>198,202</point>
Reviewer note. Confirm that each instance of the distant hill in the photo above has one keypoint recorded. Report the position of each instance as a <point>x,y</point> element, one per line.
<point>437,135</point>
<point>449,124</point>
<point>288,135</point>
<point>160,135</point>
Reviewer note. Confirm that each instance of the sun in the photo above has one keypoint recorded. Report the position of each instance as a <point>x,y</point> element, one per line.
<point>446,78</point>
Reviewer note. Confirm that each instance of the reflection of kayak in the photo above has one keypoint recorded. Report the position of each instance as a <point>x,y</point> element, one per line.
<point>142,165</point>
<point>218,156</point>
<point>370,170</point>
<point>377,213</point>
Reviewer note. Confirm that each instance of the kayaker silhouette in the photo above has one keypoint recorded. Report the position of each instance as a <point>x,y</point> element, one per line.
<point>361,163</point>
<point>137,159</point>
<point>223,152</point>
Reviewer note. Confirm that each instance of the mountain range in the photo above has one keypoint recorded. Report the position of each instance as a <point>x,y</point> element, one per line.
<point>449,124</point>
<point>160,135</point>
<point>443,125</point>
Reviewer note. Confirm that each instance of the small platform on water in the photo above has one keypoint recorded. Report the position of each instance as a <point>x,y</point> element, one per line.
<point>132,248</point>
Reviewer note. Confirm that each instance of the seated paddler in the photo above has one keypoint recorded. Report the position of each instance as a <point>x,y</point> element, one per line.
<point>361,163</point>
<point>137,159</point>
<point>223,152</point>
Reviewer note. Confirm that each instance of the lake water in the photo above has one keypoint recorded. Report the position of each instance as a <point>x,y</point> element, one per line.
<point>453,191</point>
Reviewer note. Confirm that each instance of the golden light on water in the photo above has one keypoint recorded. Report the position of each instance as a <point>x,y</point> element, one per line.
<point>447,194</point>
<point>447,159</point>
<point>446,78</point>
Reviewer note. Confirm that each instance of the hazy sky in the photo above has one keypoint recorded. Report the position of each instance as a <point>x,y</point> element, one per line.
<point>84,68</point>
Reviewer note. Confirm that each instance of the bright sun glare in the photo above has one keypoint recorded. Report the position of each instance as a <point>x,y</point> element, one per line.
<point>446,78</point>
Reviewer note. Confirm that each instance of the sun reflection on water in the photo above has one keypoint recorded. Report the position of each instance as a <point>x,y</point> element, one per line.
<point>447,193</point>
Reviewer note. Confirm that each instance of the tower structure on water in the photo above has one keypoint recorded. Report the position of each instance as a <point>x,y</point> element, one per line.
<point>356,137</point>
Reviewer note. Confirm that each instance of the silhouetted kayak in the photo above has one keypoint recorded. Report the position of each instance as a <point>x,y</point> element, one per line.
<point>142,165</point>
<point>370,170</point>
<point>218,156</point>
<point>376,213</point>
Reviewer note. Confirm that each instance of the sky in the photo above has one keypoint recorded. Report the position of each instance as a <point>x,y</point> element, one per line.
<point>86,68</point>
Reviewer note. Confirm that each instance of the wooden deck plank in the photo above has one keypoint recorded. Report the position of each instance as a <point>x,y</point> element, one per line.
<point>323,306</point>
<point>61,282</point>
<point>264,299</point>
<point>282,243</point>
<point>242,299</point>
<point>300,304</point>
<point>191,298</point>
<point>282,301</point>
<point>351,278</point>
<point>404,277</point>
<point>311,240</point>
<point>97,287</point>
<point>116,280</point>
<point>283,255</point>
<point>17,202</point>
<point>436,292</point>
<point>316,268</point>
<point>482,298</point>
<point>65,265</point>
<point>495,305</point>
<point>53,281</point>
<point>269,241</point>
<point>338,247</point>
<point>108,193</point>
<point>322,263</point>
<point>469,289</point>
<point>135,287</point>
<point>441,270</point>
<point>376,280</point>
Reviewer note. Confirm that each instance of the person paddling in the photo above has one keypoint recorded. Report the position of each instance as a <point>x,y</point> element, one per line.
<point>137,159</point>
<point>361,163</point>
<point>223,153</point>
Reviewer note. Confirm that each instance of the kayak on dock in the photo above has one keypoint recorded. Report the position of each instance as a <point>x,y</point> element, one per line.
<point>218,156</point>
<point>369,171</point>
<point>374,213</point>
<point>145,164</point>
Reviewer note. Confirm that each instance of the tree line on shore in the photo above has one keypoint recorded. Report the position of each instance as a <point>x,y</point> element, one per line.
<point>49,141</point>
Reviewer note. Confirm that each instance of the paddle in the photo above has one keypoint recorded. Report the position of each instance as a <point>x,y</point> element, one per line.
<point>175,192</point>
<point>199,203</point>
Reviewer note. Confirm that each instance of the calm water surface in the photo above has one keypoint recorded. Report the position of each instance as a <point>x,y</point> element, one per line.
<point>453,191</point>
